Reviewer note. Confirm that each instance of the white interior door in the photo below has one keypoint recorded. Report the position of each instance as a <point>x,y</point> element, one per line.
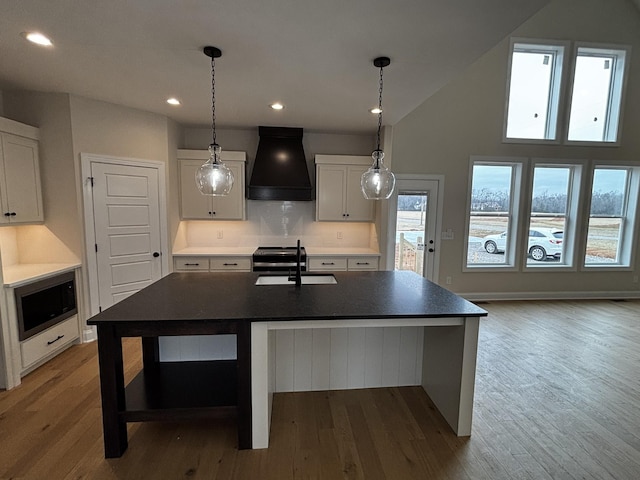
<point>415,215</point>
<point>127,230</point>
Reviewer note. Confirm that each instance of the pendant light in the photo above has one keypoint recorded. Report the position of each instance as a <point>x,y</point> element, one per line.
<point>214,177</point>
<point>378,182</point>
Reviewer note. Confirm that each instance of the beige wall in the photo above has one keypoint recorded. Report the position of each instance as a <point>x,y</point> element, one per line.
<point>465,118</point>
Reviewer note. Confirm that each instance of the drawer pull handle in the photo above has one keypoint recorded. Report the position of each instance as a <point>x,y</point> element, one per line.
<point>230,264</point>
<point>50,342</point>
<point>362,263</point>
<point>191,264</point>
<point>328,263</point>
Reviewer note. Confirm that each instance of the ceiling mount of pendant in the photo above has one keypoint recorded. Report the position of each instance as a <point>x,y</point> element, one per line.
<point>212,52</point>
<point>381,62</point>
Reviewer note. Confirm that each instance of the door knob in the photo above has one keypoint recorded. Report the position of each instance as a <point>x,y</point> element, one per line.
<point>156,254</point>
<point>431,250</point>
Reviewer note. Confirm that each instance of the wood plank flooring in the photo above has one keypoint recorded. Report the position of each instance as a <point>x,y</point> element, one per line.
<point>557,397</point>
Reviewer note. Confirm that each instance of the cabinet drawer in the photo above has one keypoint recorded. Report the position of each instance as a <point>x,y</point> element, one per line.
<point>335,264</point>
<point>191,263</point>
<point>363,263</point>
<point>242,264</point>
<point>49,341</point>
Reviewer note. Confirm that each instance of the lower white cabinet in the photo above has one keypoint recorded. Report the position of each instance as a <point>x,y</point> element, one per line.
<point>45,343</point>
<point>212,264</point>
<point>337,264</point>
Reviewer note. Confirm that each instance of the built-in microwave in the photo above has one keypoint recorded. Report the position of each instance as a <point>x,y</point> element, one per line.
<point>44,303</point>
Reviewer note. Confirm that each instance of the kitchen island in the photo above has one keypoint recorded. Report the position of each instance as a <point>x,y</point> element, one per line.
<point>222,303</point>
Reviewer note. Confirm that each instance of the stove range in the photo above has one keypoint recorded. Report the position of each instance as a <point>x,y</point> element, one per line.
<point>278,259</point>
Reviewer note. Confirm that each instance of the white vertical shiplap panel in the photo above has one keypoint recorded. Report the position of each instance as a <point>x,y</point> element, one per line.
<point>355,357</point>
<point>339,348</point>
<point>321,362</point>
<point>419,355</point>
<point>407,355</point>
<point>209,347</point>
<point>284,360</point>
<point>169,349</point>
<point>228,347</point>
<point>272,364</point>
<point>189,348</point>
<point>390,357</point>
<point>373,356</point>
<point>302,356</point>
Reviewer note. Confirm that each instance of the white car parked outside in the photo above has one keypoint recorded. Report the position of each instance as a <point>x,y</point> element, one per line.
<point>543,243</point>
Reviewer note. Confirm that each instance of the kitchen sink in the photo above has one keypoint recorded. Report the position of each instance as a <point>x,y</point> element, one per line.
<point>321,279</point>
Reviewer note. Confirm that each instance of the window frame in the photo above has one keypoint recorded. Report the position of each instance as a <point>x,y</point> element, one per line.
<point>619,86</point>
<point>511,258</point>
<point>569,240</point>
<point>630,222</point>
<point>557,90</point>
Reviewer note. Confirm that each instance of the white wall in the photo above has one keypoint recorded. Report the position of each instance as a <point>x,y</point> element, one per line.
<point>465,118</point>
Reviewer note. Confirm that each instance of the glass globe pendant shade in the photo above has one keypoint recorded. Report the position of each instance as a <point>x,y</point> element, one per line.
<point>214,177</point>
<point>378,181</point>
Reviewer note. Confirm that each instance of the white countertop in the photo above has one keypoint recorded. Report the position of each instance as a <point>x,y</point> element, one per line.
<point>340,252</point>
<point>215,251</point>
<point>24,273</point>
<point>248,251</point>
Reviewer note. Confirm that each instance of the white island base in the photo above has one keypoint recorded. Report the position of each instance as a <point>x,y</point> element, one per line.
<point>448,352</point>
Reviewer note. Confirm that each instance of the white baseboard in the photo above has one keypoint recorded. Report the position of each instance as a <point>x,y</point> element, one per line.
<point>498,296</point>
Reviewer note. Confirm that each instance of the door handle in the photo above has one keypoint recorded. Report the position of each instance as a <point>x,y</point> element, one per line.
<point>431,250</point>
<point>156,254</point>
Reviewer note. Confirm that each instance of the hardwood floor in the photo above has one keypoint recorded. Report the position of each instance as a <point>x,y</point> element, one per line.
<point>557,396</point>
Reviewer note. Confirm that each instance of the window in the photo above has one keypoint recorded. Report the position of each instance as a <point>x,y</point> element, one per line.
<point>535,98</point>
<point>553,204</point>
<point>534,91</point>
<point>614,197</point>
<point>596,98</point>
<point>493,203</point>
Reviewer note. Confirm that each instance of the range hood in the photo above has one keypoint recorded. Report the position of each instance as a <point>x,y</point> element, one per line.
<point>280,168</point>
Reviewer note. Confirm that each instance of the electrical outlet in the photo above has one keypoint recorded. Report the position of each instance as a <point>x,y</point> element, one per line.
<point>220,234</point>
<point>448,280</point>
<point>339,235</point>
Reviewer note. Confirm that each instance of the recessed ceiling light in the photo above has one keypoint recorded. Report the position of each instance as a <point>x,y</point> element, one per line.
<point>173,101</point>
<point>37,38</point>
<point>375,110</point>
<point>277,106</point>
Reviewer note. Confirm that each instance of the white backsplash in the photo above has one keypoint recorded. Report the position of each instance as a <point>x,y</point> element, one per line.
<point>276,223</point>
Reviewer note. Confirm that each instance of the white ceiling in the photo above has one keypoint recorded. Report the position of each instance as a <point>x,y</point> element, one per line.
<point>313,56</point>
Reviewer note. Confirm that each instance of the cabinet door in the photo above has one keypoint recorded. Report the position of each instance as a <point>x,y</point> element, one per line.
<point>362,263</point>
<point>331,264</point>
<point>20,181</point>
<point>231,207</point>
<point>358,208</point>
<point>193,205</point>
<point>331,183</point>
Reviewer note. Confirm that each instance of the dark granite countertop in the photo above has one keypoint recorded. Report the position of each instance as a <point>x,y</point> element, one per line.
<point>233,296</point>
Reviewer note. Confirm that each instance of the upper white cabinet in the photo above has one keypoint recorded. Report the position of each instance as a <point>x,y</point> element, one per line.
<point>194,205</point>
<point>338,193</point>
<point>20,189</point>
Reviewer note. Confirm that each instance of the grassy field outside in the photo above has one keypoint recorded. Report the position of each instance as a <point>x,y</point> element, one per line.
<point>602,239</point>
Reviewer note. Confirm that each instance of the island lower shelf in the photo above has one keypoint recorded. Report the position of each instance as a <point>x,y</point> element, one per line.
<point>183,391</point>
